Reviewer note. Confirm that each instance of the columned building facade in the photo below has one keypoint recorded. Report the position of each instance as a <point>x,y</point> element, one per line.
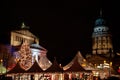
<point>17,36</point>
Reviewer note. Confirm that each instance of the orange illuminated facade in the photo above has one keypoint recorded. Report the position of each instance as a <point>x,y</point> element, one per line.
<point>101,38</point>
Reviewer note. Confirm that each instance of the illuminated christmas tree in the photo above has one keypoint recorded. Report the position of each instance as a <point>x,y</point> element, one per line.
<point>25,56</point>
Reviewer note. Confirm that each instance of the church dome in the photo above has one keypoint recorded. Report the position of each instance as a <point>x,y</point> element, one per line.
<point>99,22</point>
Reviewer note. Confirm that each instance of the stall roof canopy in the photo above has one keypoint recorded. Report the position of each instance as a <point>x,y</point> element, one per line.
<point>54,67</point>
<point>35,68</point>
<point>74,65</point>
<point>16,69</point>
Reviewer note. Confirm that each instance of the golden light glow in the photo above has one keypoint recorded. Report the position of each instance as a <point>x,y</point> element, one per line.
<point>1,60</point>
<point>83,65</point>
<point>110,63</point>
<point>84,60</point>
<point>104,61</point>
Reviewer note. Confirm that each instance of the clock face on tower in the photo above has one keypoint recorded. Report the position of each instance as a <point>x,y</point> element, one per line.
<point>101,29</point>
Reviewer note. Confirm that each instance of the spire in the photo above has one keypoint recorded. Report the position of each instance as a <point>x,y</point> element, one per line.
<point>101,12</point>
<point>23,26</point>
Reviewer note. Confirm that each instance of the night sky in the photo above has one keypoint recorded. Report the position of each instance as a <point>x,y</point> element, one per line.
<point>64,26</point>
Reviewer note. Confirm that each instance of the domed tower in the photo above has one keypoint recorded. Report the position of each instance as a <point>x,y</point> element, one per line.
<point>23,34</point>
<point>102,39</point>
